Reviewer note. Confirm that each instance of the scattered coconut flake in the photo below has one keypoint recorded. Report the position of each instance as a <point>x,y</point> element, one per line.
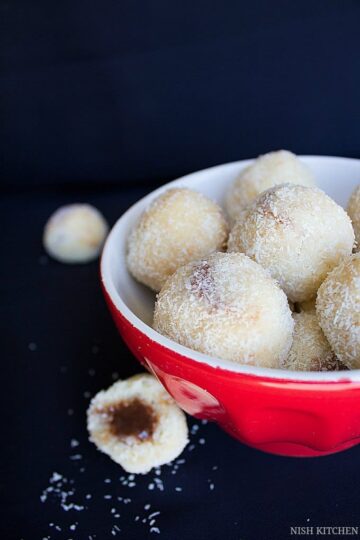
<point>63,489</point>
<point>151,516</point>
<point>76,457</point>
<point>55,477</point>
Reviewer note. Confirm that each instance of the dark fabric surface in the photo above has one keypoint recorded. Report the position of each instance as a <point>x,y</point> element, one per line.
<point>100,102</point>
<point>60,309</point>
<point>138,92</point>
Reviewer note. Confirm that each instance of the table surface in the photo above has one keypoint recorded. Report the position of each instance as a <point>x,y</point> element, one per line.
<point>61,347</point>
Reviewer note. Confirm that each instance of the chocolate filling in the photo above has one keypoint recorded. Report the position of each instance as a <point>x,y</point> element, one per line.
<point>132,418</point>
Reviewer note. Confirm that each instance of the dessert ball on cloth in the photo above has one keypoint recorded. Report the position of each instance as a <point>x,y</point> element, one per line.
<point>353,210</point>
<point>338,309</point>
<point>298,233</point>
<point>75,233</point>
<point>226,306</point>
<point>310,350</point>
<point>180,226</point>
<point>137,424</point>
<point>266,171</point>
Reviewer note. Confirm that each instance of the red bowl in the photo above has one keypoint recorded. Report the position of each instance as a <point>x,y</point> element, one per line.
<point>283,412</point>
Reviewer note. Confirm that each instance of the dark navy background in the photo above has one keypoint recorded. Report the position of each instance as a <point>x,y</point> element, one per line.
<point>101,102</point>
<point>133,92</point>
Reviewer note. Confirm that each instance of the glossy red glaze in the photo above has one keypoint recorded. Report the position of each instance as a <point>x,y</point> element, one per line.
<point>286,417</point>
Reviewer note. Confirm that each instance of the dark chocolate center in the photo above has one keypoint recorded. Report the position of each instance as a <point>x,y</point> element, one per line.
<point>132,418</point>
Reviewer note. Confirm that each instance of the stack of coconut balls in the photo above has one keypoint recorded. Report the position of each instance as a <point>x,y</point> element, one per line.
<point>281,289</point>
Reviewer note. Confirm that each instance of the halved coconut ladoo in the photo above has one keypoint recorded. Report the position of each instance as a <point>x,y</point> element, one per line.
<point>137,424</point>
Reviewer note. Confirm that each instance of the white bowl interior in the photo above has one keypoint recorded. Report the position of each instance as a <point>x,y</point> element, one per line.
<point>336,176</point>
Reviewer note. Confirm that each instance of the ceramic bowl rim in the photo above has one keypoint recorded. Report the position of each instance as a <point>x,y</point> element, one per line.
<point>182,351</point>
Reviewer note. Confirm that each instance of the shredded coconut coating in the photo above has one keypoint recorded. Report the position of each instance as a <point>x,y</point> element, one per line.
<point>338,309</point>
<point>267,171</point>
<point>298,233</point>
<point>180,226</point>
<point>353,210</point>
<point>138,456</point>
<point>310,350</point>
<point>228,307</point>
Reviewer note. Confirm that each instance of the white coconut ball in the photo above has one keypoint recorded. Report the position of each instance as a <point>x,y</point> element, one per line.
<point>75,233</point>
<point>353,210</point>
<point>179,226</point>
<point>298,233</point>
<point>310,350</point>
<point>138,424</point>
<point>338,309</point>
<point>281,167</point>
<point>228,307</point>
